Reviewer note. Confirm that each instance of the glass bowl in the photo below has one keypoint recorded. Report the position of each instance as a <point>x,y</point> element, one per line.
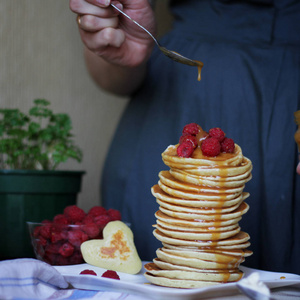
<point>59,244</point>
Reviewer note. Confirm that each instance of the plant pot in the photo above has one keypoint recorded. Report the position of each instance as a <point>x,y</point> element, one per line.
<point>31,195</point>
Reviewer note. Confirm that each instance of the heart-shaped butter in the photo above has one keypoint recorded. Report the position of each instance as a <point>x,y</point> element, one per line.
<point>116,251</point>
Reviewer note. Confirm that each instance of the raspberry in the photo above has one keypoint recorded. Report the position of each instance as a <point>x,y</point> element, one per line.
<point>53,248</point>
<point>111,274</point>
<point>114,214</point>
<point>46,221</point>
<point>185,149</point>
<point>77,237</point>
<point>189,138</point>
<point>92,230</point>
<point>60,219</point>
<point>76,258</point>
<point>211,147</point>
<point>45,230</point>
<point>36,231</point>
<point>59,242</point>
<point>97,211</point>
<point>217,133</point>
<point>102,220</point>
<point>58,236</point>
<point>74,214</point>
<point>191,128</point>
<point>42,241</point>
<point>66,250</point>
<point>88,272</point>
<point>89,219</point>
<point>227,145</point>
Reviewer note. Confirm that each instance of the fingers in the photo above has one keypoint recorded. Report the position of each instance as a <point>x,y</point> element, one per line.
<point>99,41</point>
<point>82,7</point>
<point>113,38</point>
<point>97,23</point>
<point>92,23</point>
<point>101,3</point>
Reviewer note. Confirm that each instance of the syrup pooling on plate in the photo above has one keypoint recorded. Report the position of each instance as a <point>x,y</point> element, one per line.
<point>201,200</point>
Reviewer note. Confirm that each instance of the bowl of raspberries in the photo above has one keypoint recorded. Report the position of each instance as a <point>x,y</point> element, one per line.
<point>57,241</point>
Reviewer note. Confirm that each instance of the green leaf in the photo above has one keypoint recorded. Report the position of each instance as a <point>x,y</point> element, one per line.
<point>40,112</point>
<point>40,139</point>
<point>41,102</point>
<point>34,128</point>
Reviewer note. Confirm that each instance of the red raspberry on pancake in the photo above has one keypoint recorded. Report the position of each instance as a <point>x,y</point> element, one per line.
<point>189,138</point>
<point>185,149</point>
<point>211,147</point>
<point>217,133</point>
<point>192,128</point>
<point>227,145</point>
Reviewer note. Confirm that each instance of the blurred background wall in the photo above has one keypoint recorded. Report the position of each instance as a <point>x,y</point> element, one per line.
<point>41,57</point>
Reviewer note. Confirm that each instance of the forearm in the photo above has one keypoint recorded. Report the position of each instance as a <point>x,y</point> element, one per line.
<point>114,78</point>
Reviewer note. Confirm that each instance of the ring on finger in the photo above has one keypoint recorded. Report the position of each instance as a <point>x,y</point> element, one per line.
<point>78,20</point>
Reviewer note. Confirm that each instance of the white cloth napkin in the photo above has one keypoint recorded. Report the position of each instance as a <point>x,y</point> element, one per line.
<point>29,279</point>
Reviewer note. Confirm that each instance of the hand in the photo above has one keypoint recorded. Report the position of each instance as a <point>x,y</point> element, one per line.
<point>298,168</point>
<point>112,36</point>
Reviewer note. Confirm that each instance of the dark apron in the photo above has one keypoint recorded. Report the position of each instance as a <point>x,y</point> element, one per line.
<point>250,88</point>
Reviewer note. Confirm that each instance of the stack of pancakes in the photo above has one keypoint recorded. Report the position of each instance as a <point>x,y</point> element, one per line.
<point>201,201</point>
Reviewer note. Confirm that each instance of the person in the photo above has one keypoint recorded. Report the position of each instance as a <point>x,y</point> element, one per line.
<point>249,88</point>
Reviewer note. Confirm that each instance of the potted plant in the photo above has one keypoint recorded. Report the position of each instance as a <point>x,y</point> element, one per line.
<point>32,146</point>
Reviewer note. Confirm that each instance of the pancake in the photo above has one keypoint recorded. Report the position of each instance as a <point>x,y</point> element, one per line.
<point>192,235</point>
<point>242,209</point>
<point>229,172</point>
<point>239,252</point>
<point>189,209</point>
<point>213,181</point>
<point>201,201</point>
<point>166,179</point>
<point>208,201</point>
<point>169,266</point>
<point>178,283</point>
<point>193,262</point>
<point>209,194</point>
<point>195,223</point>
<point>239,241</point>
<point>154,270</point>
<point>196,229</point>
<point>208,256</point>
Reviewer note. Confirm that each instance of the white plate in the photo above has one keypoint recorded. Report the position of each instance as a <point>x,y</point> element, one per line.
<point>138,284</point>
